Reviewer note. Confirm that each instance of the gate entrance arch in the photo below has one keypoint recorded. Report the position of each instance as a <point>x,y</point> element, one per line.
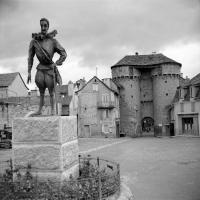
<point>147,124</point>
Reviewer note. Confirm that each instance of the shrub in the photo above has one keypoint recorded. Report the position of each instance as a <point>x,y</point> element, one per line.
<point>91,182</point>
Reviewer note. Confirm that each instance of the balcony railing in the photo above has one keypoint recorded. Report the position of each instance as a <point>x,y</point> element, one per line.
<point>109,104</point>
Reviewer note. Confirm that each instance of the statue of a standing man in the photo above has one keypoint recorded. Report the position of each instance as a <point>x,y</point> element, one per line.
<point>44,46</point>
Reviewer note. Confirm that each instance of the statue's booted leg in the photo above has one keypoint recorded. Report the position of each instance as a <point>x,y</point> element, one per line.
<point>41,104</point>
<point>50,85</point>
<point>40,82</point>
<point>52,103</point>
<point>39,112</point>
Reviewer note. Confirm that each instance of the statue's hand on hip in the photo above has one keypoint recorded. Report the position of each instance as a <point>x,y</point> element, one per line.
<point>29,78</point>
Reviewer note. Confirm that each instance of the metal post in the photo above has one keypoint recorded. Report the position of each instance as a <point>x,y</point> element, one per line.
<point>79,157</point>
<point>118,174</point>
<point>99,176</point>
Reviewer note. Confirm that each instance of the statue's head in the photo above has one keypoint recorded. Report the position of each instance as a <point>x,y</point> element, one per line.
<point>44,23</point>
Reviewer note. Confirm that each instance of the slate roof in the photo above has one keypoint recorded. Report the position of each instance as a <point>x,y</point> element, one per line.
<point>116,92</point>
<point>195,80</point>
<point>184,82</point>
<point>7,79</point>
<point>145,60</point>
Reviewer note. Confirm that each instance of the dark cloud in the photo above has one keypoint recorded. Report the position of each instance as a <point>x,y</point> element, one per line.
<point>101,32</point>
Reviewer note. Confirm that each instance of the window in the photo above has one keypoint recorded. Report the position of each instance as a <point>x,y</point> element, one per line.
<point>104,114</point>
<point>191,95</point>
<point>182,107</point>
<point>130,71</point>
<point>105,98</point>
<point>187,123</point>
<point>112,97</point>
<point>95,87</point>
<point>197,93</point>
<point>192,106</point>
<point>166,94</point>
<point>107,113</point>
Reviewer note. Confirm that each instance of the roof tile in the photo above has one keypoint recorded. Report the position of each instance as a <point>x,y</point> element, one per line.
<point>7,79</point>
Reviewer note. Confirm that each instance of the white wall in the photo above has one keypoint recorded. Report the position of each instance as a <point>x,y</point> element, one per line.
<point>187,109</point>
<point>17,88</point>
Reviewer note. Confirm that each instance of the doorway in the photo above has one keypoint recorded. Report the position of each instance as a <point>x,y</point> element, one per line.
<point>86,131</point>
<point>147,124</point>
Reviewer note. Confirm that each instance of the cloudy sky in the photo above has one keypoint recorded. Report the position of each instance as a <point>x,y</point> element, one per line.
<point>98,33</point>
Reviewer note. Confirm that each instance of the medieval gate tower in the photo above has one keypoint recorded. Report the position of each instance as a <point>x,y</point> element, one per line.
<point>148,84</point>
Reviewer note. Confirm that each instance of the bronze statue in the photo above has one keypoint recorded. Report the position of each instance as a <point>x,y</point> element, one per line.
<point>44,46</point>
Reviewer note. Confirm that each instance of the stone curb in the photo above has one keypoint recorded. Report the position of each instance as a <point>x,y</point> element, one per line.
<point>125,193</point>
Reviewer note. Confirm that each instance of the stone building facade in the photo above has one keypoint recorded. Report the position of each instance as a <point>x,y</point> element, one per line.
<point>12,107</point>
<point>185,110</point>
<point>148,85</point>
<point>12,85</point>
<point>98,109</point>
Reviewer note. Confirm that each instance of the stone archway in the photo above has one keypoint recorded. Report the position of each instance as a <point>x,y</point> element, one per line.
<point>147,124</point>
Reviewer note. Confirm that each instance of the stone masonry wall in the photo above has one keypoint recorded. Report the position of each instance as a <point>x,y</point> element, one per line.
<point>129,105</point>
<point>164,89</point>
<point>146,94</point>
<point>18,109</point>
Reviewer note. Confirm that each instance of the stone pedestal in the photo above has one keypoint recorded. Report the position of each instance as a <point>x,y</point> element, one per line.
<point>49,144</point>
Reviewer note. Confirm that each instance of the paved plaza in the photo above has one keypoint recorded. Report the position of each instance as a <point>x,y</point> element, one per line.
<point>154,168</point>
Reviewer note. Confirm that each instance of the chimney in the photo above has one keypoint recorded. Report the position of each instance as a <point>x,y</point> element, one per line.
<point>136,53</point>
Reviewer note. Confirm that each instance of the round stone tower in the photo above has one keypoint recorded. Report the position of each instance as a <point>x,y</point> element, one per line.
<point>165,82</point>
<point>128,79</point>
<point>148,85</point>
